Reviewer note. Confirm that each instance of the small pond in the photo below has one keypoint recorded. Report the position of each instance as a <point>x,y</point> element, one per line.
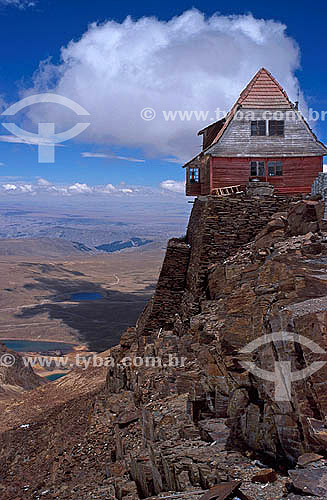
<point>79,296</point>
<point>55,376</point>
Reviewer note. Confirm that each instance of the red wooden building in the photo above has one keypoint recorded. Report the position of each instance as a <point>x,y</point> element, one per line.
<point>263,137</point>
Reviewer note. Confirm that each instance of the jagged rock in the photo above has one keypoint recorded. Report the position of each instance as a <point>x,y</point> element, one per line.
<point>224,491</point>
<point>303,217</point>
<point>15,377</point>
<point>265,476</point>
<point>181,428</point>
<point>127,417</point>
<point>308,458</point>
<point>310,481</point>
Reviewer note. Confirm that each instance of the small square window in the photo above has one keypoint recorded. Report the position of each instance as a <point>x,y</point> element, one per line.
<point>257,169</point>
<point>258,127</point>
<point>194,174</point>
<point>253,168</point>
<point>275,168</point>
<point>276,127</point>
<point>279,168</point>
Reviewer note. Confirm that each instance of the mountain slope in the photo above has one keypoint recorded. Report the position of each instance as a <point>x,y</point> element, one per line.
<point>15,377</point>
<point>40,247</point>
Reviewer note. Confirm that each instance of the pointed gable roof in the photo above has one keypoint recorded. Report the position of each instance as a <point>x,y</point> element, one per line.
<point>264,91</point>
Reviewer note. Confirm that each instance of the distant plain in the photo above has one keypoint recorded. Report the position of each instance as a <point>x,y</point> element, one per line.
<point>43,261</point>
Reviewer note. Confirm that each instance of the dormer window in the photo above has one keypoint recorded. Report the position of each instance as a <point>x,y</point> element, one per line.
<point>276,127</point>
<point>258,127</point>
<point>267,128</point>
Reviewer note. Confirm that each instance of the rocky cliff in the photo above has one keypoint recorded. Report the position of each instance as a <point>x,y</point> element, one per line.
<point>247,268</point>
<point>15,377</point>
<point>181,413</point>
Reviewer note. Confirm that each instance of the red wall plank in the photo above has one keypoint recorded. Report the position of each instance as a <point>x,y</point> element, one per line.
<point>298,173</point>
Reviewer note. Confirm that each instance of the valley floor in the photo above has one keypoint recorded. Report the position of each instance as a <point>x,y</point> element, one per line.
<point>35,303</point>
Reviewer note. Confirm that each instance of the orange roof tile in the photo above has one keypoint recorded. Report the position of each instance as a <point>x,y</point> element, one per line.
<point>264,91</point>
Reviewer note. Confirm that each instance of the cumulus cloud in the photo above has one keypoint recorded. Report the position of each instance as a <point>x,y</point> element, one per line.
<point>80,188</point>
<point>9,187</point>
<point>108,188</point>
<point>175,186</point>
<point>190,62</point>
<point>43,186</point>
<point>43,182</point>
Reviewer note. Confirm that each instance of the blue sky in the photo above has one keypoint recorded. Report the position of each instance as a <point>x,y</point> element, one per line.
<point>195,62</point>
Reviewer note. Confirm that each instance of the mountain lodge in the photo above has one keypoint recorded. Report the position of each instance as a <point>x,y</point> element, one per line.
<point>264,137</point>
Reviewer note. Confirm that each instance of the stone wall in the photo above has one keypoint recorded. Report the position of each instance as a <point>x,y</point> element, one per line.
<point>217,228</point>
<point>165,304</point>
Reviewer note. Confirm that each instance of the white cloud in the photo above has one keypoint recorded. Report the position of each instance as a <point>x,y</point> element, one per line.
<point>80,188</point>
<point>9,187</point>
<point>13,139</point>
<point>93,155</point>
<point>112,157</point>
<point>26,188</point>
<point>42,187</point>
<point>108,188</point>
<point>43,182</point>
<point>325,167</point>
<point>126,190</point>
<point>36,141</point>
<point>20,188</point>
<point>188,63</point>
<point>172,160</point>
<point>2,164</point>
<point>175,186</point>
<point>21,4</point>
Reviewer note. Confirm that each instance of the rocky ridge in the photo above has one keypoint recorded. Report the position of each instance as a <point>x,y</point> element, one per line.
<point>247,267</point>
<point>15,377</point>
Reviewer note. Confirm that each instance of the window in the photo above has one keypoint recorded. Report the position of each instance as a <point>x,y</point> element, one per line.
<point>276,127</point>
<point>194,174</point>
<point>275,168</point>
<point>257,169</point>
<point>258,127</point>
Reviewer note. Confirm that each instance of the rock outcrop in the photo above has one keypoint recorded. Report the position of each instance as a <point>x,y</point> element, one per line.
<point>234,292</point>
<point>181,413</point>
<point>15,377</point>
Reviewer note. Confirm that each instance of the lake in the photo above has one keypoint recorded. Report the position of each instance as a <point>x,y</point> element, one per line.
<point>55,376</point>
<point>36,346</point>
<point>86,296</point>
